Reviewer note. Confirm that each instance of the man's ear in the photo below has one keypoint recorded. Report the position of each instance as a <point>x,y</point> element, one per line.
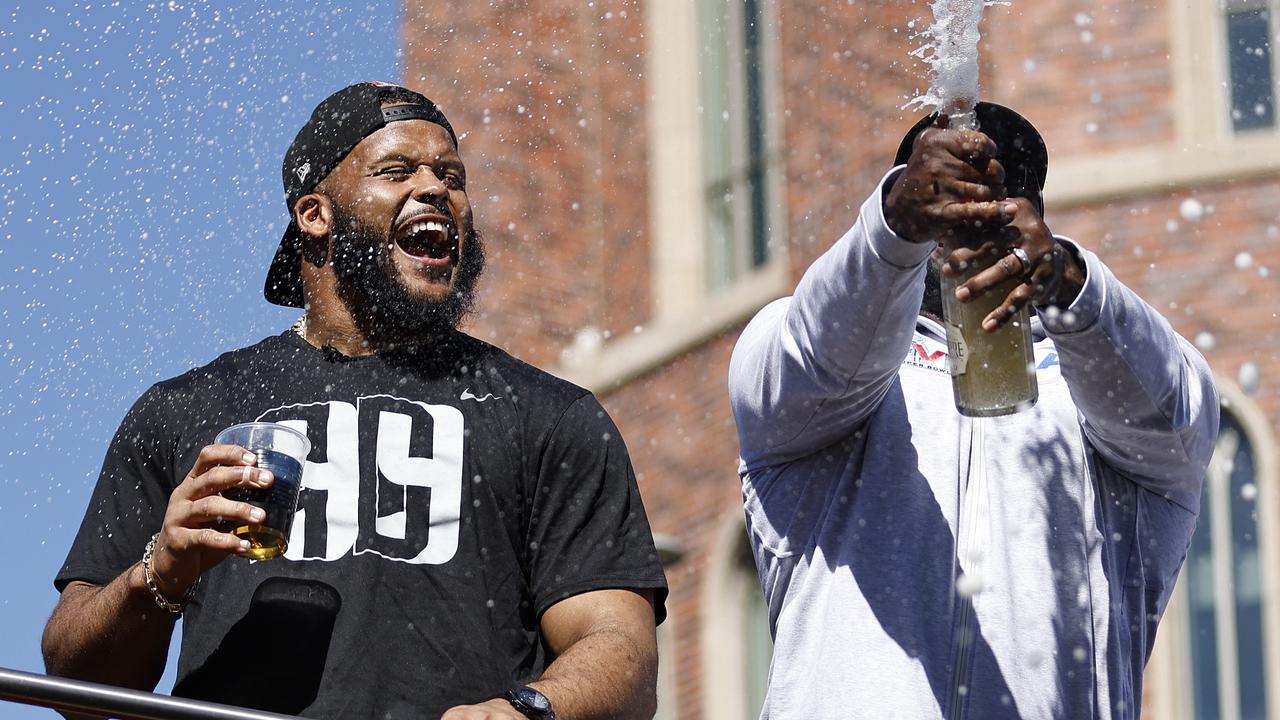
<point>314,216</point>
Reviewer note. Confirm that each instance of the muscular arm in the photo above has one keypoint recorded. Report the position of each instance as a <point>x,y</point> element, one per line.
<point>114,633</point>
<point>606,651</point>
<point>808,369</point>
<point>606,660</point>
<point>1146,396</point>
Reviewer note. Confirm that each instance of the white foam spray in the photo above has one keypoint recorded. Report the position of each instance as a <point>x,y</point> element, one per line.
<point>951,52</point>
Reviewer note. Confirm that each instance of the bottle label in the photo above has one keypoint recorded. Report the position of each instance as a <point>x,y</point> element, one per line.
<point>957,350</point>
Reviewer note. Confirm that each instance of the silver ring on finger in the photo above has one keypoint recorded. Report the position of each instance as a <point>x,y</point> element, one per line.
<point>1023,258</point>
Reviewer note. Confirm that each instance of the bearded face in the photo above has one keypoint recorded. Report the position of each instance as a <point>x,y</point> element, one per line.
<point>371,286</point>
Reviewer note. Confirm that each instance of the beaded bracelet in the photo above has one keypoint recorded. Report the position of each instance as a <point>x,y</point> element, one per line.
<point>161,600</point>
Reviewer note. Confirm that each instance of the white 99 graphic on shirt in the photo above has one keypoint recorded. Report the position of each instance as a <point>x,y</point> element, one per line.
<point>384,477</point>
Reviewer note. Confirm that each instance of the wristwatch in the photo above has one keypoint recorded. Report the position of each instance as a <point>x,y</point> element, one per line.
<point>531,703</point>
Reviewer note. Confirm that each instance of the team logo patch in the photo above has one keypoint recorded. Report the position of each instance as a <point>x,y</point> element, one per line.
<point>927,354</point>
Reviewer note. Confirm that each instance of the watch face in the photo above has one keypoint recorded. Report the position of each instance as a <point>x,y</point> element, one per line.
<point>532,703</point>
<point>536,700</point>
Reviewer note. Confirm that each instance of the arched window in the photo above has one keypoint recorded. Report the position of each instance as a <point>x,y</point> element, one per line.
<point>1224,587</point>
<point>736,644</point>
<point>1218,647</point>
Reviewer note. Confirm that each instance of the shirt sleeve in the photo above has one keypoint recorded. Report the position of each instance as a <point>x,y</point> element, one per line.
<point>809,368</point>
<point>128,503</point>
<point>587,526</point>
<point>1146,396</point>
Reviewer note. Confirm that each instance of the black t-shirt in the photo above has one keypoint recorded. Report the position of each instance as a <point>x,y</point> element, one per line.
<point>451,496</point>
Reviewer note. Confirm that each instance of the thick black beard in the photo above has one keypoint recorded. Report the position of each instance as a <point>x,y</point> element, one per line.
<point>384,310</point>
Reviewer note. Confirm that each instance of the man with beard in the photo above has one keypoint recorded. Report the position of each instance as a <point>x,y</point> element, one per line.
<point>469,537</point>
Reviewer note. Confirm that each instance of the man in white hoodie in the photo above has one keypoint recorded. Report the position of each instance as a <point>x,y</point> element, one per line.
<point>918,563</point>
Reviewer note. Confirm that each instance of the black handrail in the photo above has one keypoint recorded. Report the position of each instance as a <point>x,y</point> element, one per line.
<point>110,701</point>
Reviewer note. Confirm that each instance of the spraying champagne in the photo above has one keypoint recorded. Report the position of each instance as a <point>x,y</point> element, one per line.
<point>993,373</point>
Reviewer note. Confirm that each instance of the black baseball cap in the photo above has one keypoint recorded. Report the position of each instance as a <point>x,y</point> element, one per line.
<point>1022,150</point>
<point>336,126</point>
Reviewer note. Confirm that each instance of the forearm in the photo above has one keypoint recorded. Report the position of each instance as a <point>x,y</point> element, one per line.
<point>114,634</point>
<point>809,371</point>
<point>609,673</point>
<point>855,309</point>
<point>1147,396</point>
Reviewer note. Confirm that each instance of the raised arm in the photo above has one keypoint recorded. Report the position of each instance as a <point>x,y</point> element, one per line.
<point>810,367</point>
<point>1147,397</point>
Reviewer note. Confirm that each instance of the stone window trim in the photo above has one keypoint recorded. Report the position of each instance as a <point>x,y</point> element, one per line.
<point>1205,150</point>
<point>723,614</point>
<point>1169,670</point>
<point>686,313</point>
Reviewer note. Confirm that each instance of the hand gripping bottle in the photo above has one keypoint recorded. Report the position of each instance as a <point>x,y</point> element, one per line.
<point>993,373</point>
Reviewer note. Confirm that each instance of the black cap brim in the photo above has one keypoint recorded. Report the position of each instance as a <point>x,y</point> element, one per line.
<point>1022,150</point>
<point>284,277</point>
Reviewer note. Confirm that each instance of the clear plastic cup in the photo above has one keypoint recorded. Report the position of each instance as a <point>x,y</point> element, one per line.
<point>283,451</point>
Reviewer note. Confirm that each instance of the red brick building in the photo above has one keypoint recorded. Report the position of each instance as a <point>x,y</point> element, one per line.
<point>648,173</point>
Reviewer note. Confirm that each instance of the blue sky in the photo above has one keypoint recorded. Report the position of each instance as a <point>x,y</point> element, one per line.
<point>140,201</point>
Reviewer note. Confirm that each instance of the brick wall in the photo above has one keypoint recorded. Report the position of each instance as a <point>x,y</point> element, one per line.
<point>1091,75</point>
<point>550,104</point>
<point>1216,275</point>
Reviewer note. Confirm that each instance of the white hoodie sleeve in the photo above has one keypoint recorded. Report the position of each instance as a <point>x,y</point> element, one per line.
<point>809,368</point>
<point>1146,397</point>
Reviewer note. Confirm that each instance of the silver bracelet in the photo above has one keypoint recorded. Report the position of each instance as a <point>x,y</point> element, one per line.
<point>172,607</point>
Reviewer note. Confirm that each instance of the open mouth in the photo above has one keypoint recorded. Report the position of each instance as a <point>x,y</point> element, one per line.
<point>431,241</point>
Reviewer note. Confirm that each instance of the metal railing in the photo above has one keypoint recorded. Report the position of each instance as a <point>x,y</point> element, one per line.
<point>110,701</point>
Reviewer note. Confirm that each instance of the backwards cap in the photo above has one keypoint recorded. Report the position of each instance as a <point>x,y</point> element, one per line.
<point>1022,151</point>
<point>336,126</point>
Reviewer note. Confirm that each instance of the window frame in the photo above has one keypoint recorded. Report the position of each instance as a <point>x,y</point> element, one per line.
<point>678,175</point>
<point>685,312</point>
<point>1231,7</point>
<point>1169,670</point>
<point>752,155</point>
<point>1203,149</point>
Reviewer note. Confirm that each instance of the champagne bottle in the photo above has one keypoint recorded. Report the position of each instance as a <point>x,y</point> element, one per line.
<point>991,373</point>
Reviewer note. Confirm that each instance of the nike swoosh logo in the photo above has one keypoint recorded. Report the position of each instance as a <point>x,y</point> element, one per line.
<point>467,395</point>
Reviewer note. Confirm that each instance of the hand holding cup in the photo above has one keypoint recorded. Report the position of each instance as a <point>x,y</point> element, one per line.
<point>239,498</point>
